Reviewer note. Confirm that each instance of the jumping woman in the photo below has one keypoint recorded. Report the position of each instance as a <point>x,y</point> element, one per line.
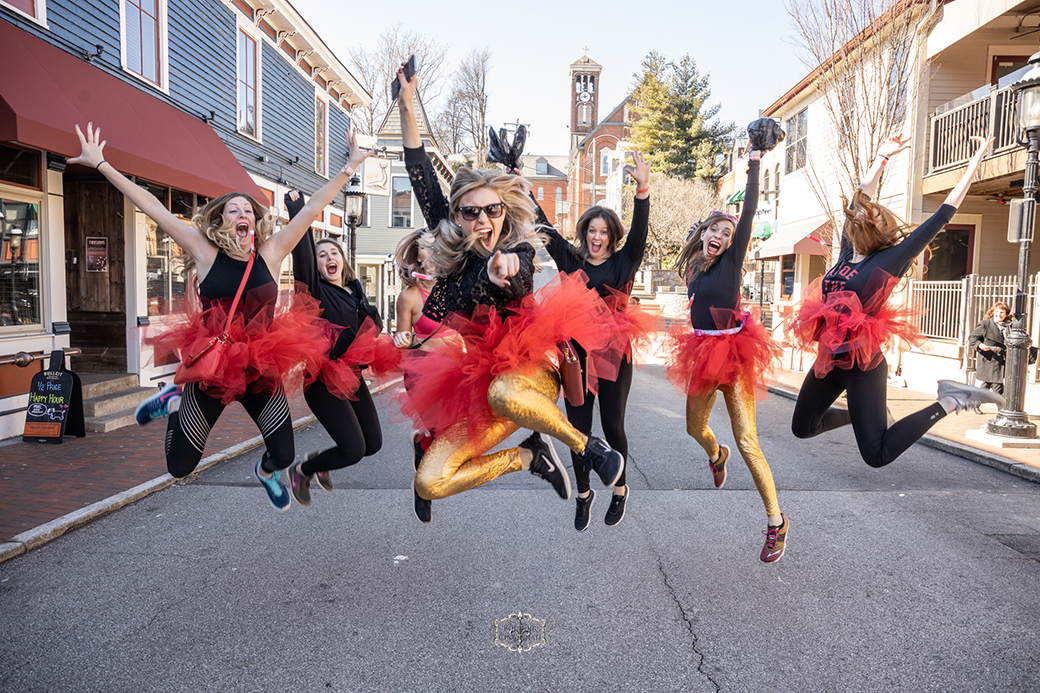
<point>727,349</point>
<point>476,393</point>
<point>848,320</point>
<point>609,269</point>
<point>231,247</point>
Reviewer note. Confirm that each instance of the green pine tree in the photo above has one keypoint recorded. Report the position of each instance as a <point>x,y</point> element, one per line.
<point>652,105</point>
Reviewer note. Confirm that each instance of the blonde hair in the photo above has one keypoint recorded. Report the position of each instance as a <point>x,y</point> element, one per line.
<point>348,271</point>
<point>209,221</point>
<point>450,244</point>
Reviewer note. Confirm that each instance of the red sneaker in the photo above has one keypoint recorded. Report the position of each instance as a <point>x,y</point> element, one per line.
<point>776,538</point>
<point>718,468</point>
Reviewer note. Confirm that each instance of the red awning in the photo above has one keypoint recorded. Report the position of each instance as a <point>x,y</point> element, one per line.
<point>45,92</point>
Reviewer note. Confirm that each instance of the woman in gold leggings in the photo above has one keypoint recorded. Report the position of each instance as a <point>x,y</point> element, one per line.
<point>726,349</point>
<point>499,377</point>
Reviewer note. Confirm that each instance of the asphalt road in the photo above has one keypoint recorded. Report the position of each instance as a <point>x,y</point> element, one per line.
<point>921,576</point>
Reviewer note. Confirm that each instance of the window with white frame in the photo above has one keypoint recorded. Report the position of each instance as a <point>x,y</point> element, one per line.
<point>797,141</point>
<point>776,181</point>
<point>33,9</point>
<point>765,183</point>
<point>559,194</point>
<point>248,79</point>
<point>401,203</point>
<point>541,193</point>
<point>321,136</point>
<point>144,40</point>
<point>604,162</point>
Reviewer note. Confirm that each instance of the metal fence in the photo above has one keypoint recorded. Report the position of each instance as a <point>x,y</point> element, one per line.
<point>995,114</point>
<point>952,309</point>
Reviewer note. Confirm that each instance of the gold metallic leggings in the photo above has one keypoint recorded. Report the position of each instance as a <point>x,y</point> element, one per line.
<point>454,464</point>
<point>740,401</point>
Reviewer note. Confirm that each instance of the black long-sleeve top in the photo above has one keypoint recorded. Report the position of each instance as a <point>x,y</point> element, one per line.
<point>470,285</point>
<point>345,306</point>
<point>861,278</point>
<point>719,286</point>
<point>617,271</point>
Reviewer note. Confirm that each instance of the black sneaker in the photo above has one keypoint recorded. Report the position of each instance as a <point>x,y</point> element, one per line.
<point>299,485</point>
<point>546,464</point>
<point>423,511</point>
<point>583,511</point>
<point>604,460</point>
<point>417,451</point>
<point>616,511</point>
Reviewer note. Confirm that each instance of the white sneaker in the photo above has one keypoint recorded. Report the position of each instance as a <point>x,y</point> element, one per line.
<point>968,396</point>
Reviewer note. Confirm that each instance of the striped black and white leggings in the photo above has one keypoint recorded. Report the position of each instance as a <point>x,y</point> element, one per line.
<point>189,428</point>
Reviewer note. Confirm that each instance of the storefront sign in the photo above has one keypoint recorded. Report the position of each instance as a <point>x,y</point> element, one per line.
<point>377,177</point>
<point>97,254</point>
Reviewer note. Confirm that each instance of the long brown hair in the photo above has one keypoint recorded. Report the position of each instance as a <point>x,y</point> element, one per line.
<point>209,221</point>
<point>615,231</point>
<point>690,258</point>
<point>871,227</point>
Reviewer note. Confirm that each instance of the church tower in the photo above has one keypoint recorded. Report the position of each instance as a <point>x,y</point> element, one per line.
<point>584,76</point>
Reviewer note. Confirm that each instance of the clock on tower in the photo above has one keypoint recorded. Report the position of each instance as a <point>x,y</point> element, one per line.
<point>584,74</point>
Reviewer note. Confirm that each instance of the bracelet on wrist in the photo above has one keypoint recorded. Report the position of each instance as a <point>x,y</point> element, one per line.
<point>348,170</point>
<point>884,159</point>
<point>99,164</point>
<point>644,190</point>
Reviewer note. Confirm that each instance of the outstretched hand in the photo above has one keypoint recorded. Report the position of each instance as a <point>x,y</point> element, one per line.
<point>91,152</point>
<point>895,144</point>
<point>641,170</point>
<point>984,143</point>
<point>408,87</point>
<point>501,266</point>
<point>357,154</point>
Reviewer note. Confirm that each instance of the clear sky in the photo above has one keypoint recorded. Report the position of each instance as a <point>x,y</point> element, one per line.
<point>746,46</point>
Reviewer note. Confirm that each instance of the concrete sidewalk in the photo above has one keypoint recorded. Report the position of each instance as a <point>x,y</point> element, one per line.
<point>948,434</point>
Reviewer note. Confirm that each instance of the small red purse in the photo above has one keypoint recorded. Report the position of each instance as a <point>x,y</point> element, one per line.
<point>571,377</point>
<point>203,364</point>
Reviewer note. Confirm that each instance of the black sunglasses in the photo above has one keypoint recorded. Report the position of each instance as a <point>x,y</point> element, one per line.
<point>473,213</point>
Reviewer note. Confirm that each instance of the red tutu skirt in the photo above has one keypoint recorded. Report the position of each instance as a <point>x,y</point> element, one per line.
<point>846,333</point>
<point>634,325</point>
<point>370,348</point>
<point>283,345</point>
<point>450,383</point>
<point>698,364</point>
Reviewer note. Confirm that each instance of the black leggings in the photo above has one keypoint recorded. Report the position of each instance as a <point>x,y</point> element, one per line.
<point>353,425</point>
<point>867,397</point>
<point>613,400</point>
<point>189,427</point>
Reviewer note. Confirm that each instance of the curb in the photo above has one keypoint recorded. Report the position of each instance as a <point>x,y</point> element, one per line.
<point>38,536</point>
<point>983,457</point>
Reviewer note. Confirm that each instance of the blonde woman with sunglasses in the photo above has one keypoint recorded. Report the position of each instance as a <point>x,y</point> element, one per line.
<point>727,350</point>
<point>500,377</point>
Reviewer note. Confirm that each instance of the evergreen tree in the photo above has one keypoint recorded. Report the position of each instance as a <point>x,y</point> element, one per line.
<point>673,125</point>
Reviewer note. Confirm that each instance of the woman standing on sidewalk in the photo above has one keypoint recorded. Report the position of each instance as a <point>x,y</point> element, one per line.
<point>727,349</point>
<point>477,393</point>
<point>268,345</point>
<point>610,270</point>
<point>987,340</point>
<point>848,320</point>
<point>339,397</point>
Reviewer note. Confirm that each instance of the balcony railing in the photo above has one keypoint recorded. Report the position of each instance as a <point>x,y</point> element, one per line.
<point>996,114</point>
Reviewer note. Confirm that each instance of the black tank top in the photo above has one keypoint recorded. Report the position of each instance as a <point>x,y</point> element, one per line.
<point>225,276</point>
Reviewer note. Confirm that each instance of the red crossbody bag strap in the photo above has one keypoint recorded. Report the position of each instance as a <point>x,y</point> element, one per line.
<point>241,287</point>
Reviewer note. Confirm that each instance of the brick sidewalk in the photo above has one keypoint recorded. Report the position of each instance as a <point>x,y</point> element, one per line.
<point>41,482</point>
<point>952,428</point>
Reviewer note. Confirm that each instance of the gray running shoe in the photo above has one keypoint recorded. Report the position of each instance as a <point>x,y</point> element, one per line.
<point>968,396</point>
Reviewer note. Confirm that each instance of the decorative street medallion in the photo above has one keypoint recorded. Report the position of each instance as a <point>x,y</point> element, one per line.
<point>520,632</point>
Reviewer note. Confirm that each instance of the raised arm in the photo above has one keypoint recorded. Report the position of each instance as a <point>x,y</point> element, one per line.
<point>742,234</point>
<point>635,244</point>
<point>895,144</point>
<point>281,244</point>
<point>186,236</point>
<point>305,261</point>
<point>428,193</point>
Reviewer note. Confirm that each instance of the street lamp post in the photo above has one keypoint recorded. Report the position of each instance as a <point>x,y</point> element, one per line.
<point>353,203</point>
<point>1012,421</point>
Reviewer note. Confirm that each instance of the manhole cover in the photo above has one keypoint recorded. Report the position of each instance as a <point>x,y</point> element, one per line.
<point>519,632</point>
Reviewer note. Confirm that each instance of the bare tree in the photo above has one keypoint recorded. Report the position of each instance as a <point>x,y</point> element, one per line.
<point>469,97</point>
<point>678,203</point>
<point>864,56</point>
<point>377,69</point>
<point>449,127</point>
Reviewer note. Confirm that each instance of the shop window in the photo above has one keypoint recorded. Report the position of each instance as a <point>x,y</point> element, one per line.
<point>797,141</point>
<point>787,263</point>
<point>321,136</point>
<point>143,28</point>
<point>166,278</point>
<point>19,263</point>
<point>248,85</point>
<point>401,204</point>
<point>20,167</point>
